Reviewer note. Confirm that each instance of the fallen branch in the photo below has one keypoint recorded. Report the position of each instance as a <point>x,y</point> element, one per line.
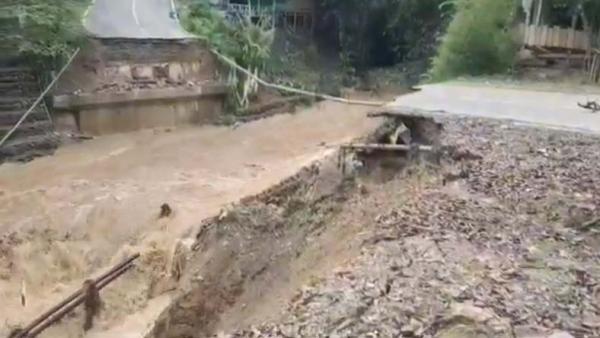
<point>405,112</point>
<point>60,310</point>
<point>590,105</point>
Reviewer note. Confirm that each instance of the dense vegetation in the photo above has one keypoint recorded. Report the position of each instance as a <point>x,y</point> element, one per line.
<point>385,32</point>
<point>248,43</point>
<point>480,40</point>
<point>367,33</point>
<point>245,41</point>
<point>44,30</point>
<point>564,10</point>
<point>478,35</point>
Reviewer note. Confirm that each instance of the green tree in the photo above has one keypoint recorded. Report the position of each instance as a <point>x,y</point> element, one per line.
<point>479,40</point>
<point>248,42</point>
<point>413,27</point>
<point>43,29</point>
<point>589,10</point>
<point>380,32</point>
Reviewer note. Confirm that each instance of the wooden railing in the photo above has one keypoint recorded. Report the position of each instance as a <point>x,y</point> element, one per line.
<point>554,37</point>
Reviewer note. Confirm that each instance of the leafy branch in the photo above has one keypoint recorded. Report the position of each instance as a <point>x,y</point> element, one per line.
<point>248,42</point>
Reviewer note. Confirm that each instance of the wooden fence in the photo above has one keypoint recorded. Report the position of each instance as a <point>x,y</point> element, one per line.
<point>554,37</point>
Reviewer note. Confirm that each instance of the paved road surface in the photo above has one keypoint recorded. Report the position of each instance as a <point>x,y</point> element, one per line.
<point>133,19</point>
<point>551,109</point>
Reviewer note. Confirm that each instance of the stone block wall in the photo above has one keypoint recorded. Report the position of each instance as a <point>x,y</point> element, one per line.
<point>150,81</point>
<point>124,64</point>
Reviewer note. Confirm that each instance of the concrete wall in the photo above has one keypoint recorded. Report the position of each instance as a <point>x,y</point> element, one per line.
<point>150,114</point>
<point>121,85</point>
<point>103,64</point>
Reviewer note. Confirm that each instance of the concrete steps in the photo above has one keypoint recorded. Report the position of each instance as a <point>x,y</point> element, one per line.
<point>18,88</point>
<point>10,102</point>
<point>35,136</point>
<point>26,148</point>
<point>27,129</point>
<point>16,74</point>
<point>10,117</point>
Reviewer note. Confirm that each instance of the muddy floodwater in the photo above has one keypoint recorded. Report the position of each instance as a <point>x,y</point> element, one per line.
<point>68,216</point>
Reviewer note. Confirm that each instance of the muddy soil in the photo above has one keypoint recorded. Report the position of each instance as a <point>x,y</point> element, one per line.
<point>498,240</point>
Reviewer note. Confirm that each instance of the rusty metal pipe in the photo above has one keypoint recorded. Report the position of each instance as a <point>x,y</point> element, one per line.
<point>73,296</point>
<point>109,279</point>
<point>58,315</point>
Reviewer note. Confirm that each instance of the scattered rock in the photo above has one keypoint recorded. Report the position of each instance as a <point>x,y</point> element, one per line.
<point>591,320</point>
<point>414,328</point>
<point>560,334</point>
<point>470,312</point>
<point>462,331</point>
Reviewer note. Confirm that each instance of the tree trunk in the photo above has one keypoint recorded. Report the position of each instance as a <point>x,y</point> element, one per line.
<point>527,6</point>
<point>538,14</point>
<point>587,28</point>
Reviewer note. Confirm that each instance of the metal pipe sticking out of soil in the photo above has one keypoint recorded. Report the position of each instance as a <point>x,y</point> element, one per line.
<point>390,147</point>
<point>67,305</point>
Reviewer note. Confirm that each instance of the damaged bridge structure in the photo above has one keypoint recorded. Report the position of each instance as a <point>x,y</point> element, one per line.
<point>138,69</point>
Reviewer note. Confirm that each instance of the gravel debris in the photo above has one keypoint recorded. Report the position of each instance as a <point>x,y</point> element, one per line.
<point>497,250</point>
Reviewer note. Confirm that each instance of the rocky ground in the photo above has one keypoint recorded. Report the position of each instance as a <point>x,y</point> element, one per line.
<point>501,241</point>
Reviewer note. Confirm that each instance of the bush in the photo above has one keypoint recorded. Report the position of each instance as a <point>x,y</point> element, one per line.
<point>479,40</point>
<point>45,30</point>
<point>248,42</point>
<point>378,33</point>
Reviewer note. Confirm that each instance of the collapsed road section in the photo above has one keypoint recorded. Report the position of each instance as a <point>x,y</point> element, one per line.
<point>248,261</point>
<point>496,238</point>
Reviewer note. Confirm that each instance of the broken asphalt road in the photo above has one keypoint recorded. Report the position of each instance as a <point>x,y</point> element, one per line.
<point>542,108</point>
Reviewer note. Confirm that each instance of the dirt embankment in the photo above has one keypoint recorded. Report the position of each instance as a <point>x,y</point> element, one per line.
<point>244,256</point>
<point>251,259</point>
<point>494,241</point>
